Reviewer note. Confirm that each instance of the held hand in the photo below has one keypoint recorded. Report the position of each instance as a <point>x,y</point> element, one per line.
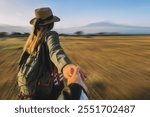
<point>68,71</point>
<point>76,78</point>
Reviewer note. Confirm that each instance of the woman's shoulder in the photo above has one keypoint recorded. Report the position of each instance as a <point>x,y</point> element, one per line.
<point>52,36</point>
<point>52,33</point>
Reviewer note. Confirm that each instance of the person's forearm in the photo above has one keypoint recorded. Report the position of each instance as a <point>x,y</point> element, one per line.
<point>57,54</point>
<point>59,58</point>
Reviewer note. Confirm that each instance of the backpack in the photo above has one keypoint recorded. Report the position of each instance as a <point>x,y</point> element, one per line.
<point>36,73</point>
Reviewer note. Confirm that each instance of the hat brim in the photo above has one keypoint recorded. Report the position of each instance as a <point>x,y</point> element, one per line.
<point>55,19</point>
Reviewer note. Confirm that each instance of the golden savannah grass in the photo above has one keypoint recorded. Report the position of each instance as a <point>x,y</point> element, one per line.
<point>118,67</point>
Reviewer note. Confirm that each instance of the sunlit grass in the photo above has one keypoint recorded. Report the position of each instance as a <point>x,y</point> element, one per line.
<point>117,66</point>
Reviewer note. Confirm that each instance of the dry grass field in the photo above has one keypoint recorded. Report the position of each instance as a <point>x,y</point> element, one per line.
<point>118,67</point>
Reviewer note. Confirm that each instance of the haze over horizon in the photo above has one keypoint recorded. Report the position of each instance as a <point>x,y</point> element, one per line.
<point>75,13</point>
<point>92,28</point>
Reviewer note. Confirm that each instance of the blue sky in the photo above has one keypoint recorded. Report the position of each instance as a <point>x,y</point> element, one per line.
<point>78,12</point>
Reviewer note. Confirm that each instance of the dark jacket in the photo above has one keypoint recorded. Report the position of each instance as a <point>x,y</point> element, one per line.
<point>73,92</point>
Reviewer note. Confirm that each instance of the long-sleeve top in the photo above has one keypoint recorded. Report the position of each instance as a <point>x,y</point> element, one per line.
<point>57,54</point>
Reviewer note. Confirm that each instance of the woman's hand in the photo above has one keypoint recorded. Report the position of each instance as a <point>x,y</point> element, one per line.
<point>76,78</point>
<point>69,69</point>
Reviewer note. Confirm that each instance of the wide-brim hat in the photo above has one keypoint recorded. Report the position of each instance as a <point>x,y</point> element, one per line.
<point>45,15</point>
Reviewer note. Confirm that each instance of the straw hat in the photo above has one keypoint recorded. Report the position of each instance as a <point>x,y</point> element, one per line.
<point>45,16</point>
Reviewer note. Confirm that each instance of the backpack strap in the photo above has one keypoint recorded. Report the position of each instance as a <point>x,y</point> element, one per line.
<point>51,64</point>
<point>55,71</point>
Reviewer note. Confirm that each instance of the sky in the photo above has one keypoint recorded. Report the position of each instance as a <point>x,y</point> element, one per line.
<point>74,13</point>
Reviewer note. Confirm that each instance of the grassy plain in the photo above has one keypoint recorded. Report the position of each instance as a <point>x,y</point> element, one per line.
<point>118,67</point>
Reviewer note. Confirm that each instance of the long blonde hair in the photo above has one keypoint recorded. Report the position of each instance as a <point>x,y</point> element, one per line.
<point>33,40</point>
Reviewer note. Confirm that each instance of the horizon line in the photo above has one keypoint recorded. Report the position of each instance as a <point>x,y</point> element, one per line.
<point>125,24</point>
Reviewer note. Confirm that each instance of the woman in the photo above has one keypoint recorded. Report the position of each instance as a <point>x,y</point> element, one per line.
<point>42,25</point>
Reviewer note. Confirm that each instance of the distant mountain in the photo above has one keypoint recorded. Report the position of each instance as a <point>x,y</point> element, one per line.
<point>98,24</point>
<point>99,27</point>
<point>107,27</point>
<point>10,29</point>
